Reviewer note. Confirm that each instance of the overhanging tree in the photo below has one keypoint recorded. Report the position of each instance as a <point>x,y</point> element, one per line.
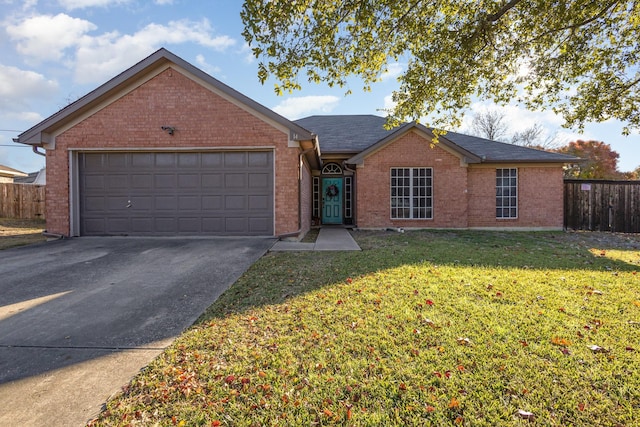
<point>579,57</point>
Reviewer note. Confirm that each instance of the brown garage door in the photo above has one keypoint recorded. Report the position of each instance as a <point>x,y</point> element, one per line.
<point>166,193</point>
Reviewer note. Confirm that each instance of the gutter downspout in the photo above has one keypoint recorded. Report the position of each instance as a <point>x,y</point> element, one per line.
<point>297,233</point>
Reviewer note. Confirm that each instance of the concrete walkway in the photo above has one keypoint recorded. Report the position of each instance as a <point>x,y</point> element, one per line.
<point>329,239</point>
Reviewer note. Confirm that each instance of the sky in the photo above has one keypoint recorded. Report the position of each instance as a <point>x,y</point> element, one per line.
<point>53,52</point>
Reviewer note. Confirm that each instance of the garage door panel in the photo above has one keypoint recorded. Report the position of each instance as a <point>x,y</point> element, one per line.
<point>142,225</point>
<point>165,203</point>
<point>94,204</point>
<point>166,225</point>
<point>189,203</point>
<point>165,160</point>
<point>118,225</point>
<point>189,160</point>
<point>117,182</point>
<point>235,203</point>
<point>143,182</point>
<point>258,180</point>
<point>212,225</point>
<point>235,180</point>
<point>143,160</point>
<point>235,159</point>
<point>236,225</point>
<point>212,160</point>
<point>259,159</point>
<point>165,181</point>
<point>216,193</point>
<point>259,203</point>
<point>188,181</point>
<point>212,180</point>
<point>259,225</point>
<point>212,203</point>
<point>189,225</point>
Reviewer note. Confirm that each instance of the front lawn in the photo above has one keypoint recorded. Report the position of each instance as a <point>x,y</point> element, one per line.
<point>421,328</point>
<point>20,232</point>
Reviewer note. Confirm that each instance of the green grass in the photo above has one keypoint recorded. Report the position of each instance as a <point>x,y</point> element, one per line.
<point>20,232</point>
<point>421,328</point>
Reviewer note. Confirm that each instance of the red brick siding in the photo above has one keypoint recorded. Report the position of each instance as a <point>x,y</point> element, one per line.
<point>201,119</point>
<point>412,150</point>
<point>540,200</point>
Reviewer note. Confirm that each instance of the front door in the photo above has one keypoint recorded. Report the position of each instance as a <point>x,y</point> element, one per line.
<point>332,200</point>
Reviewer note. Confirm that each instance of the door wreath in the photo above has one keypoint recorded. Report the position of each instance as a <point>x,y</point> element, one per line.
<point>332,192</point>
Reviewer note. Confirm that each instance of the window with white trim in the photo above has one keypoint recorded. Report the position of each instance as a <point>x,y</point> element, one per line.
<point>507,193</point>
<point>411,193</point>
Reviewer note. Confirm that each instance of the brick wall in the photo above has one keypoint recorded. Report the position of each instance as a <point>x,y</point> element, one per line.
<point>540,200</point>
<point>412,150</point>
<point>463,196</point>
<point>201,118</point>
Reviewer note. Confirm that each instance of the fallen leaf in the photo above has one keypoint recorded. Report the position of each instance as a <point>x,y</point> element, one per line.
<point>454,403</point>
<point>429,302</point>
<point>463,341</point>
<point>597,349</point>
<point>430,408</point>
<point>560,341</point>
<point>526,415</point>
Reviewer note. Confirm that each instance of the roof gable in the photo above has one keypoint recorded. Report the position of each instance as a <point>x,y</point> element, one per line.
<point>131,78</point>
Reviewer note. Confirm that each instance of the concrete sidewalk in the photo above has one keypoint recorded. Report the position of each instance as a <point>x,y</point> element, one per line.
<point>329,239</point>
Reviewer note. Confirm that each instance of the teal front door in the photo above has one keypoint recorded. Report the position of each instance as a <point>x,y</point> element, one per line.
<point>332,200</point>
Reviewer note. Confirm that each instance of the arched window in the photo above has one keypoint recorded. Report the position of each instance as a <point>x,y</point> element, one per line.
<point>332,169</point>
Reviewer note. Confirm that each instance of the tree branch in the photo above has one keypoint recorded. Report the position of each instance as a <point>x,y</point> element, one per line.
<point>504,9</point>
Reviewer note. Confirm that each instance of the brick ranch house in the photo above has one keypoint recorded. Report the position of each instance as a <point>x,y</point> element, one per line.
<point>165,149</point>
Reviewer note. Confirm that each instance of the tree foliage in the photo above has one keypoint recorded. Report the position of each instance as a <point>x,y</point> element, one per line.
<point>601,162</point>
<point>580,57</point>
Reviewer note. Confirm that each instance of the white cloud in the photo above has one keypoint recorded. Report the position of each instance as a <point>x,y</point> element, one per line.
<point>294,108</point>
<point>204,65</point>
<point>98,58</point>
<point>45,37</point>
<point>389,103</point>
<point>83,4</point>
<point>393,71</point>
<point>17,83</point>
<point>163,2</point>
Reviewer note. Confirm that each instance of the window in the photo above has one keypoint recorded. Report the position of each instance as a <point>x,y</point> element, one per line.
<point>507,193</point>
<point>348,197</point>
<point>331,169</point>
<point>411,193</point>
<point>316,197</point>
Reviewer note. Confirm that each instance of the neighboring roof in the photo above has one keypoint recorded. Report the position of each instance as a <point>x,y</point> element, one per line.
<point>40,133</point>
<point>6,171</point>
<point>36,178</point>
<point>365,134</point>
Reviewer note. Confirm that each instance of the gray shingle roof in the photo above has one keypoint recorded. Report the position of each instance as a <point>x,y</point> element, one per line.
<point>356,133</point>
<point>346,134</point>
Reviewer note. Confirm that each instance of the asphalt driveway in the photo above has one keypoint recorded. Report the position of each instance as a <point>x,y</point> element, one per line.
<point>79,317</point>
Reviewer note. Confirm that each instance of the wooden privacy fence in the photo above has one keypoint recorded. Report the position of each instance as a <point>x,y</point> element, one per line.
<point>22,201</point>
<point>599,205</point>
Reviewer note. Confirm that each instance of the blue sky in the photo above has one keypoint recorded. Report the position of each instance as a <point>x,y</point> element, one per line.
<point>55,51</point>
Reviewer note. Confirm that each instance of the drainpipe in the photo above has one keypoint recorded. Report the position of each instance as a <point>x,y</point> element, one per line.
<point>297,233</point>
<point>35,150</point>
